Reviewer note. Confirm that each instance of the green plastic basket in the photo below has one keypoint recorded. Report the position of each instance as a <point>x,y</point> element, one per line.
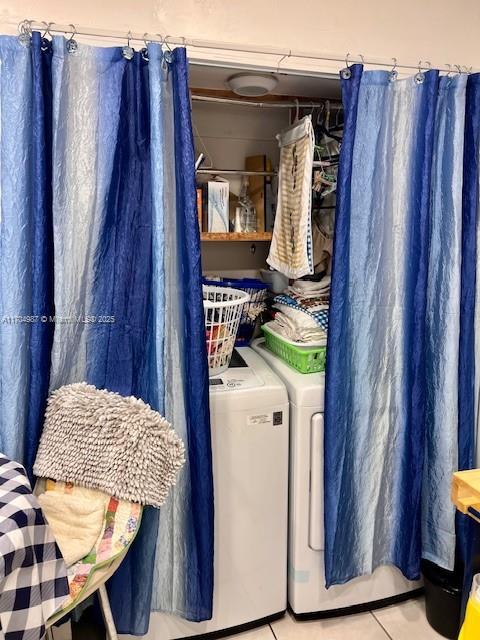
<point>303,359</point>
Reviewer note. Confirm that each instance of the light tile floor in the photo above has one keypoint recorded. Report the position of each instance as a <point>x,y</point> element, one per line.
<point>405,621</point>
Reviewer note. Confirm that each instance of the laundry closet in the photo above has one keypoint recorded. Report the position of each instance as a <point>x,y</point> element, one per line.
<point>267,401</point>
<point>239,143</point>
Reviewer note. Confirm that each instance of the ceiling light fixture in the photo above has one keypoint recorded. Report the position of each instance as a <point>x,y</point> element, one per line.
<point>252,84</point>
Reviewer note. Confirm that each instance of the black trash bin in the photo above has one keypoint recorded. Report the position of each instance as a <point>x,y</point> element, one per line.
<point>443,598</point>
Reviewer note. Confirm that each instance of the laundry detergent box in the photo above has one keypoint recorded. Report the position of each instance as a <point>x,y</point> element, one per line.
<point>217,206</point>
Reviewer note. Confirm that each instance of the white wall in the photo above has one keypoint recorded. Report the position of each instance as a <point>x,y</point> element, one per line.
<point>231,133</point>
<point>437,30</point>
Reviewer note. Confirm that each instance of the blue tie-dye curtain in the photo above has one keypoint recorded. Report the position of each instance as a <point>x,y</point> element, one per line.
<point>469,359</point>
<point>101,280</point>
<point>400,396</point>
<point>26,244</point>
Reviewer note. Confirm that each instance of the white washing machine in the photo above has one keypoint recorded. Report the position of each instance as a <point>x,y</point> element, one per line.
<point>307,595</point>
<point>249,416</point>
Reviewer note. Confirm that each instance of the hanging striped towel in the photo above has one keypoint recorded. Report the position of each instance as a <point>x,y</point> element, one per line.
<point>291,248</point>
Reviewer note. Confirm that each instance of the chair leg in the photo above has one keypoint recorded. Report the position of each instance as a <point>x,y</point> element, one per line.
<point>49,634</point>
<point>107,613</point>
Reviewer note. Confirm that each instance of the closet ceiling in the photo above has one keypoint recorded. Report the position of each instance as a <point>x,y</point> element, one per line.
<point>210,77</point>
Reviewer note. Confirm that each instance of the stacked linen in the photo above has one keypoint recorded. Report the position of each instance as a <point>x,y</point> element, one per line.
<point>297,326</point>
<point>311,289</point>
<point>302,311</point>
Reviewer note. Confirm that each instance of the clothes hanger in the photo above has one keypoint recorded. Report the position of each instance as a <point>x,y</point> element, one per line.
<point>329,133</point>
<point>206,154</point>
<point>297,110</point>
<point>321,109</point>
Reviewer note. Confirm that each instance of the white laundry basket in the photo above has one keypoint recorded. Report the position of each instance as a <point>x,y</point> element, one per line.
<point>223,309</point>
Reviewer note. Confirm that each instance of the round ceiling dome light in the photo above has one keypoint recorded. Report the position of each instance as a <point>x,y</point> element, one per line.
<point>252,84</point>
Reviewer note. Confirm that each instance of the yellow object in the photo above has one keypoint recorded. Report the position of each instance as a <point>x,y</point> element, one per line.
<point>466,496</point>
<point>466,491</point>
<point>471,625</point>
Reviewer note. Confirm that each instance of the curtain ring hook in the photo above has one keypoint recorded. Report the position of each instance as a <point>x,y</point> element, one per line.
<point>286,55</point>
<point>346,72</point>
<point>169,53</point>
<point>162,42</point>
<point>419,77</point>
<point>361,58</point>
<point>468,70</point>
<point>48,32</point>
<point>71,43</point>
<point>25,32</point>
<point>46,43</point>
<point>166,58</point>
<point>428,65</point>
<point>144,51</point>
<point>25,27</point>
<point>22,25</point>
<point>127,51</point>
<point>165,42</point>
<point>459,69</point>
<point>449,72</point>
<point>74,32</point>
<point>393,71</point>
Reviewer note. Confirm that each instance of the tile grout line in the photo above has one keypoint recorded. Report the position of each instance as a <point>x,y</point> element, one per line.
<point>273,632</point>
<point>381,625</point>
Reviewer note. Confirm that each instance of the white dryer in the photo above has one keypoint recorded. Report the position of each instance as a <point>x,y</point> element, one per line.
<point>307,596</point>
<point>249,417</point>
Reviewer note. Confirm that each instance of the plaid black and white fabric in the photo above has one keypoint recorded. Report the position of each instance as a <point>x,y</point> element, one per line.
<point>33,575</point>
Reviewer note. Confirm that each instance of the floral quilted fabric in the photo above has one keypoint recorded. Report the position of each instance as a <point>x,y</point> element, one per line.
<point>121,522</point>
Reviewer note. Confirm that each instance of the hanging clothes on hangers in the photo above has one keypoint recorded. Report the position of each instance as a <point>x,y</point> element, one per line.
<point>291,247</point>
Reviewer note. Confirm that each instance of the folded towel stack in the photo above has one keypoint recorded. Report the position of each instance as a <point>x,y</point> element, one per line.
<point>302,311</point>
<point>310,290</point>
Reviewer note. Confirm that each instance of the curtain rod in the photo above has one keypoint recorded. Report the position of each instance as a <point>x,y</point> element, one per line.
<point>282,54</point>
<point>304,104</point>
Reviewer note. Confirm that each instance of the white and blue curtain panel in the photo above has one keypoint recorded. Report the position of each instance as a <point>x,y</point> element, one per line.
<point>402,376</point>
<point>100,279</point>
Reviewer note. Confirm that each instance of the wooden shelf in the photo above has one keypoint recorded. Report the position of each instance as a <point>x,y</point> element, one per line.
<point>261,236</point>
<point>466,491</point>
<point>234,172</point>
